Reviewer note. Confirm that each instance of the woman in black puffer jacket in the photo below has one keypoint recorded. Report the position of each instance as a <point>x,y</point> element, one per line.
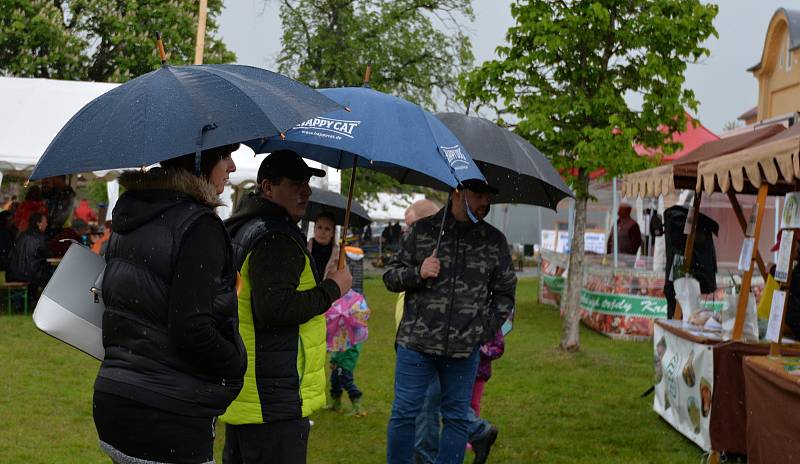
<point>173,356</point>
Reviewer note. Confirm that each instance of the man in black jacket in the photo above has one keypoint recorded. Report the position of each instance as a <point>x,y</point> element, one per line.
<point>282,299</point>
<point>457,297</point>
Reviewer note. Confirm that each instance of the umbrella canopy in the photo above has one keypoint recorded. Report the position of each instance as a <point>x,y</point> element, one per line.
<point>510,163</point>
<point>386,134</point>
<point>332,202</point>
<point>177,110</point>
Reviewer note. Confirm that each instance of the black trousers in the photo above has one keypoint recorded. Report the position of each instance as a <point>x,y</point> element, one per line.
<point>284,442</point>
<point>144,432</point>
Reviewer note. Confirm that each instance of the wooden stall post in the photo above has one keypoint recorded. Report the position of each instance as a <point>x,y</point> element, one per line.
<point>741,307</point>
<point>689,248</point>
<point>737,209</point>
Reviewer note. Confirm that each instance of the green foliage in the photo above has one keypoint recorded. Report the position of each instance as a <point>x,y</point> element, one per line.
<point>569,65</point>
<point>95,191</point>
<point>101,40</point>
<point>416,47</point>
<point>417,50</point>
<point>34,41</point>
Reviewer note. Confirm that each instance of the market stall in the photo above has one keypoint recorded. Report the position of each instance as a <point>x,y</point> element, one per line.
<point>622,303</point>
<point>682,349</point>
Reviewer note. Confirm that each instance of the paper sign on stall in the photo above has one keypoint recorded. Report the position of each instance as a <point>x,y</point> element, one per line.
<point>784,256</point>
<point>746,257</point>
<point>751,223</point>
<point>775,316</point>
<point>791,211</point>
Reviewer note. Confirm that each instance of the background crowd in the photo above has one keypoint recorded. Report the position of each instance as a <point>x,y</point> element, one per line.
<point>41,227</point>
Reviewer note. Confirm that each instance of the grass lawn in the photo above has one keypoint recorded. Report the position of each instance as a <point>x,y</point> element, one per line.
<point>550,407</point>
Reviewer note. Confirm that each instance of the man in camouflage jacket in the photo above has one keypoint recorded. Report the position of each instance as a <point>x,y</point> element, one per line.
<point>457,297</point>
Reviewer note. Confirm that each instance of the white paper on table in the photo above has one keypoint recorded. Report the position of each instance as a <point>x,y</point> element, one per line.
<point>712,325</point>
<point>775,316</point>
<point>784,256</point>
<point>746,257</point>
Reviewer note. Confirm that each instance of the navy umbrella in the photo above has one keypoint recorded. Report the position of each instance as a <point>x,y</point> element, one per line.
<point>510,163</point>
<point>380,132</point>
<point>335,204</point>
<point>177,110</point>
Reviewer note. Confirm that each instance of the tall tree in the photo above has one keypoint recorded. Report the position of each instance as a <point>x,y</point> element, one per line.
<point>564,79</point>
<point>101,40</point>
<point>35,42</point>
<point>417,49</point>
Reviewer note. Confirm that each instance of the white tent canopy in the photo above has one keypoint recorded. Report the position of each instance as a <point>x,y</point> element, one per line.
<point>34,111</point>
<point>391,206</point>
<point>247,163</point>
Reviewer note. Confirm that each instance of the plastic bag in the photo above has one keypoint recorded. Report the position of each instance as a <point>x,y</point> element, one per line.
<point>750,329</point>
<point>346,321</point>
<point>687,293</point>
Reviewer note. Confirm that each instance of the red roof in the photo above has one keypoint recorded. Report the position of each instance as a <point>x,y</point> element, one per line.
<point>691,138</point>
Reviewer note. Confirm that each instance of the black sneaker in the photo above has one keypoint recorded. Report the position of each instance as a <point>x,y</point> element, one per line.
<point>482,446</point>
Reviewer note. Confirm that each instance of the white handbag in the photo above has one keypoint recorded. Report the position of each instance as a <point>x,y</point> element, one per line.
<point>71,306</point>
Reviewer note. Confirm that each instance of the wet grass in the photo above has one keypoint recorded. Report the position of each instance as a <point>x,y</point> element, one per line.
<point>550,407</point>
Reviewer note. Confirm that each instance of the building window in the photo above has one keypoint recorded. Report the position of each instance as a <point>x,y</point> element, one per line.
<point>788,53</point>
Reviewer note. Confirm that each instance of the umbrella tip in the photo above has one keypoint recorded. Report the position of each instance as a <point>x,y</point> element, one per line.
<point>283,136</point>
<point>27,182</point>
<point>347,108</point>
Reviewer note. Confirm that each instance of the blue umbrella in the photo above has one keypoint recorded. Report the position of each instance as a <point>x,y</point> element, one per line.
<point>380,132</point>
<point>177,110</point>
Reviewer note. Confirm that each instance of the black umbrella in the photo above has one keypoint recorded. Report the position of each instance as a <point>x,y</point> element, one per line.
<point>332,202</point>
<point>510,163</point>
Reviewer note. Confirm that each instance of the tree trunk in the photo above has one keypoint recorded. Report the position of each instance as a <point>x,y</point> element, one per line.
<point>572,293</point>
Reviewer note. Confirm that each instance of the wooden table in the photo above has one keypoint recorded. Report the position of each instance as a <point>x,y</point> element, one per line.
<point>773,409</point>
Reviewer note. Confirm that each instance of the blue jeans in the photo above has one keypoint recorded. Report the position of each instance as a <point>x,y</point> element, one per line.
<point>414,372</point>
<point>342,379</point>
<point>428,425</point>
<point>426,436</point>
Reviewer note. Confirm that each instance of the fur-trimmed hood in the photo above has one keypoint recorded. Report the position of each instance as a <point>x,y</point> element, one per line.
<point>150,193</point>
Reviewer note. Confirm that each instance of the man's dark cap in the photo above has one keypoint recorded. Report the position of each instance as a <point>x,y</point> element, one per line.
<point>479,186</point>
<point>286,163</point>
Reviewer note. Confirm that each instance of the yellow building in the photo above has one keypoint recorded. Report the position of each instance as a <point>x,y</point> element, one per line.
<point>778,72</point>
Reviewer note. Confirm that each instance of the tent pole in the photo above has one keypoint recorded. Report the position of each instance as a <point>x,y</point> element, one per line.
<point>688,251</point>
<point>737,208</point>
<point>614,226</point>
<point>741,307</point>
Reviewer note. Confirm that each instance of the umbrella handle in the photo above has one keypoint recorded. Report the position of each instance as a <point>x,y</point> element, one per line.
<point>367,75</point>
<point>429,282</point>
<point>160,46</point>
<point>346,224</point>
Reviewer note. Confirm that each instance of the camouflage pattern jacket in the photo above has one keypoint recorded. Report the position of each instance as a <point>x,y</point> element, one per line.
<point>467,303</point>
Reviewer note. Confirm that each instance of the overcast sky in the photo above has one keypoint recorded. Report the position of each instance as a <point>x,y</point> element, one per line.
<point>252,29</point>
